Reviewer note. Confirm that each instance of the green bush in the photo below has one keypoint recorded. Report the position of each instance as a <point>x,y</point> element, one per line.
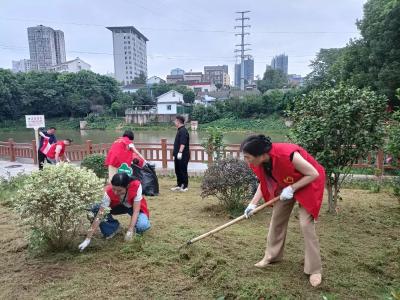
<point>231,181</point>
<point>95,162</point>
<point>52,203</point>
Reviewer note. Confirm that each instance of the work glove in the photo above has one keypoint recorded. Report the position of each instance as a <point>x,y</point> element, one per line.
<point>84,244</point>
<point>179,156</point>
<point>287,193</point>
<point>249,210</point>
<point>128,236</point>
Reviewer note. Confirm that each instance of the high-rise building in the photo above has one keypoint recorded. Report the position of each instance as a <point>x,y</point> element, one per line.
<point>46,47</point>
<point>216,74</point>
<point>130,57</point>
<point>23,65</point>
<point>280,62</point>
<point>248,71</point>
<point>177,71</point>
<point>60,46</point>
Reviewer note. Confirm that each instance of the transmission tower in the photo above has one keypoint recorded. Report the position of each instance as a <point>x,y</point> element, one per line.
<point>242,44</point>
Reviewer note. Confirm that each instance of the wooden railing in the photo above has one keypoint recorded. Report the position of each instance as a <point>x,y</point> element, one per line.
<point>163,152</point>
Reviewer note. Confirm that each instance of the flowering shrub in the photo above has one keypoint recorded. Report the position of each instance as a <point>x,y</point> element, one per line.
<point>231,181</point>
<point>52,202</point>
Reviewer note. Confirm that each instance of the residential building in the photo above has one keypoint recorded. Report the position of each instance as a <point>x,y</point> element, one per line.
<point>154,80</point>
<point>295,80</point>
<point>177,71</point>
<point>46,47</point>
<point>173,79</point>
<point>226,80</point>
<point>198,87</point>
<point>130,57</point>
<point>60,46</point>
<point>133,87</point>
<point>205,100</point>
<point>23,65</point>
<point>193,77</point>
<point>71,66</point>
<point>216,74</point>
<point>280,62</point>
<point>169,103</point>
<point>248,71</point>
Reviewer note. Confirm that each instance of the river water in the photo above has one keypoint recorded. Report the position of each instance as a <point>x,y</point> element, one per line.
<point>143,136</point>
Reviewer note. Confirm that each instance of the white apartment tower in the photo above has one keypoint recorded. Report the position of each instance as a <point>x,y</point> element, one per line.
<point>46,47</point>
<point>130,57</point>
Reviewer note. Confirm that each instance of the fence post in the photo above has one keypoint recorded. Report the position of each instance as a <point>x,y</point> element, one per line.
<point>379,162</point>
<point>164,153</point>
<point>11,147</point>
<point>34,152</point>
<point>89,148</point>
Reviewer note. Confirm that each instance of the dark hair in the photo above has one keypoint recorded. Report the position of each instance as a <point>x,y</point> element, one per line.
<point>52,128</point>
<point>128,134</point>
<point>121,179</point>
<point>69,140</point>
<point>256,145</point>
<point>181,119</point>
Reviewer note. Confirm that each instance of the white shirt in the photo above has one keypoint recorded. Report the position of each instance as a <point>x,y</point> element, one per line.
<point>107,201</point>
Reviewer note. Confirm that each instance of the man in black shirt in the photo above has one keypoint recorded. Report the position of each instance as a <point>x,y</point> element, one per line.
<point>181,155</point>
<point>50,133</point>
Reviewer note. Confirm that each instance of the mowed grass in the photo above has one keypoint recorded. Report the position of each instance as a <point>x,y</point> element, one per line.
<point>360,252</point>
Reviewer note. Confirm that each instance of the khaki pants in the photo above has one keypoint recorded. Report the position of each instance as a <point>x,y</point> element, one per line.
<point>277,235</point>
<point>111,172</point>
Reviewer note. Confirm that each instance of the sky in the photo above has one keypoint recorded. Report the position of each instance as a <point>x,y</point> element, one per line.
<point>185,34</point>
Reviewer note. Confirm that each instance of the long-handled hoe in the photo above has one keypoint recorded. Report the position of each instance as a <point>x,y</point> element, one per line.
<point>204,235</point>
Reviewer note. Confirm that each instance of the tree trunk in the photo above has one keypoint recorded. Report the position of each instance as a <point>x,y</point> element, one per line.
<point>331,201</point>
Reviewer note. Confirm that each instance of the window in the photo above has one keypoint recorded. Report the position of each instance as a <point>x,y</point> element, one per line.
<point>169,107</point>
<point>173,94</point>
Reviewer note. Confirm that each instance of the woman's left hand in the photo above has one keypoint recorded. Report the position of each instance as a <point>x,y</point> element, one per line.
<point>287,193</point>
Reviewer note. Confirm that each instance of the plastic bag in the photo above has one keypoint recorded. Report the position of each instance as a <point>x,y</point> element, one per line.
<point>147,177</point>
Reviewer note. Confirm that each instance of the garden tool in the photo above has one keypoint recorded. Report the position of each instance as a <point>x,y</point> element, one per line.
<point>242,217</point>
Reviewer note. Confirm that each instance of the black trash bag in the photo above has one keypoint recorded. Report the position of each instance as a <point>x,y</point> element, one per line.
<point>147,177</point>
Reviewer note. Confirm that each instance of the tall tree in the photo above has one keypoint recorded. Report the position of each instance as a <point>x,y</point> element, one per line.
<point>272,79</point>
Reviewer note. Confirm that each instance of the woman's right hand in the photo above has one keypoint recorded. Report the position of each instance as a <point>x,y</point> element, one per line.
<point>249,210</point>
<point>84,244</point>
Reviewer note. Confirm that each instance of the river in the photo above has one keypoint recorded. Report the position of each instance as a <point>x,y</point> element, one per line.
<point>143,136</point>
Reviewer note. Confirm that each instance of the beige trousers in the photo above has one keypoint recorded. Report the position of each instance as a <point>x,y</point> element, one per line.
<point>277,236</point>
<point>111,172</point>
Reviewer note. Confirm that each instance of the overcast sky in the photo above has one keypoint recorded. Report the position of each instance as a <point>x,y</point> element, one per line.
<point>184,34</point>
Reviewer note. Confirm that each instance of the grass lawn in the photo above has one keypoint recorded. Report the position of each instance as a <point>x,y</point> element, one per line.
<point>360,252</point>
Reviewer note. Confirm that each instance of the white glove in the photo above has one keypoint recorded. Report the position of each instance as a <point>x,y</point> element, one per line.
<point>128,236</point>
<point>84,244</point>
<point>287,193</point>
<point>249,210</point>
<point>179,156</point>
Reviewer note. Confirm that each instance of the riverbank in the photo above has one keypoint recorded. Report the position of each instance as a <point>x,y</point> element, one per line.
<point>273,122</point>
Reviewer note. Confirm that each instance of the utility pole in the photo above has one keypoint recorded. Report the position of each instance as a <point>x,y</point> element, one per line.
<point>242,45</point>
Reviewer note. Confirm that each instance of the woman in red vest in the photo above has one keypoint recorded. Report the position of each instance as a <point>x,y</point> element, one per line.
<point>292,173</point>
<point>122,152</point>
<point>123,196</point>
<point>54,152</point>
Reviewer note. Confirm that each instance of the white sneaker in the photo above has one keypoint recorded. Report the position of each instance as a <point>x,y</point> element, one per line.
<point>184,190</point>
<point>176,189</point>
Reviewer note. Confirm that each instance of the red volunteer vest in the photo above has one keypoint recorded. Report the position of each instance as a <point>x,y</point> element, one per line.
<point>45,146</point>
<point>132,191</point>
<point>284,172</point>
<point>119,153</point>
<point>52,151</point>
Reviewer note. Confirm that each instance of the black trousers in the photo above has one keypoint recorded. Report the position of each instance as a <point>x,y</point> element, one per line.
<point>182,178</point>
<point>41,159</point>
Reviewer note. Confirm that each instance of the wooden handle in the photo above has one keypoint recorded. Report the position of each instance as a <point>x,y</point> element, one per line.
<point>257,209</point>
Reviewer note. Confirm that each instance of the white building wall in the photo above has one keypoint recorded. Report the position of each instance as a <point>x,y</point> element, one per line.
<point>166,108</point>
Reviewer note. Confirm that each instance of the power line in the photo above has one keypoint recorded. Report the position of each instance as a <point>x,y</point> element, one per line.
<point>176,29</point>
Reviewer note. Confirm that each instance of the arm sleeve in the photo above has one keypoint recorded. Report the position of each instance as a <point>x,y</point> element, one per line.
<point>106,201</point>
<point>183,137</point>
<point>138,196</point>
